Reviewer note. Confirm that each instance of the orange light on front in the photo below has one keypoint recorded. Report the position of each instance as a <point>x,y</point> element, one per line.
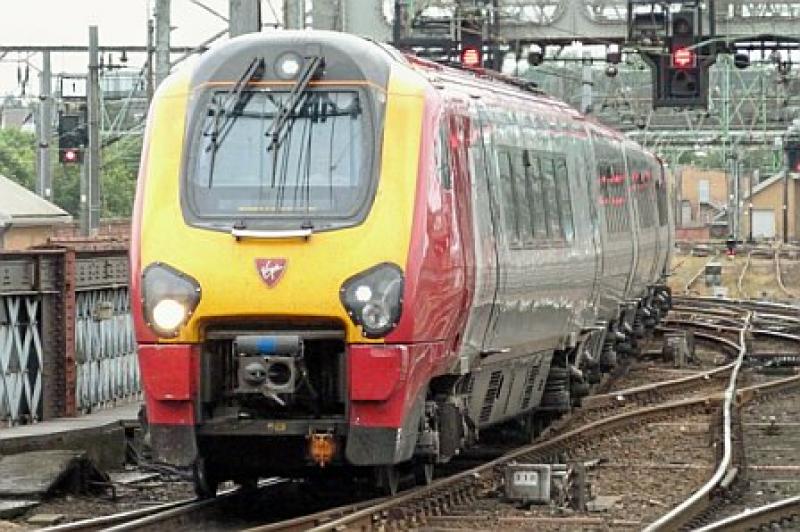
<point>684,58</point>
<point>471,57</point>
<point>322,448</point>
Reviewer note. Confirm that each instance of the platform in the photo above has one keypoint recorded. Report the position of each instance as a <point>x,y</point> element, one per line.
<point>100,434</point>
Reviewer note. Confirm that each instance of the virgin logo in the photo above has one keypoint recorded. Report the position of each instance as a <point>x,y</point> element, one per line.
<point>271,270</point>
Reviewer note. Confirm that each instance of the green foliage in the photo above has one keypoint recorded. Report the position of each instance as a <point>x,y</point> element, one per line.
<point>119,171</point>
<point>119,167</point>
<point>17,156</point>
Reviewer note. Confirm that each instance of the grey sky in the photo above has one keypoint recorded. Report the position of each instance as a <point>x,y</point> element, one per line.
<point>120,22</point>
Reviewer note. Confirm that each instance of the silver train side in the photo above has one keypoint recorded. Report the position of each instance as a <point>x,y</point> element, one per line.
<point>550,315</point>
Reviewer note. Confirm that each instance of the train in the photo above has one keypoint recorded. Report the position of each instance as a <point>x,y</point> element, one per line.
<point>349,259</point>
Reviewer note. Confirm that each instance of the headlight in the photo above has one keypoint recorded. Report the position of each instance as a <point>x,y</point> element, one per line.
<point>168,314</point>
<point>169,298</point>
<point>288,65</point>
<point>374,299</point>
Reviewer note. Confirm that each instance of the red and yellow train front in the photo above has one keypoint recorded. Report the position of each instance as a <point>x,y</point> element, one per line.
<point>293,257</point>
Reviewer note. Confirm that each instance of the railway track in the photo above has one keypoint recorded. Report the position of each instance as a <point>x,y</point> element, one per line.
<point>775,515</point>
<point>416,507</point>
<point>644,406</point>
<point>181,514</point>
<point>740,279</point>
<point>687,288</point>
<point>779,276</point>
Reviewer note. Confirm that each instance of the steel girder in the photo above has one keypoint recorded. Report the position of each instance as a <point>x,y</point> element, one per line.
<point>107,368</point>
<point>20,359</point>
<point>557,21</point>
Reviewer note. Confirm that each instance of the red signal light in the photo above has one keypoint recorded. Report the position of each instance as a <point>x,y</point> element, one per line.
<point>70,156</point>
<point>684,58</point>
<point>471,57</point>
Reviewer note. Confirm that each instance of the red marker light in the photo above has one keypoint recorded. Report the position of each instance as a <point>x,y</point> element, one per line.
<point>471,57</point>
<point>70,155</point>
<point>684,58</point>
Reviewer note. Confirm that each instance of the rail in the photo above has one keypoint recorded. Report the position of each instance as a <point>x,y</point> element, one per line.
<point>779,275</point>
<point>689,507</point>
<point>165,516</point>
<point>645,393</point>
<point>740,280</point>
<point>688,286</point>
<point>753,518</point>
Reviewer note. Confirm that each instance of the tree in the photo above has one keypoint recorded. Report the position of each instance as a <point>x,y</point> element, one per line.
<point>118,173</point>
<point>17,156</point>
<point>120,164</point>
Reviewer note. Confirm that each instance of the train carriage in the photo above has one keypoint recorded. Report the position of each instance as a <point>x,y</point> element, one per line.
<point>350,258</point>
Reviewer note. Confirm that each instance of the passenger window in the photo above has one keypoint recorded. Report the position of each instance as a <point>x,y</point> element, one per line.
<point>550,200</point>
<point>607,199</point>
<point>661,200</point>
<point>564,200</point>
<point>533,181</point>
<point>507,195</point>
<point>522,201</point>
<point>442,151</point>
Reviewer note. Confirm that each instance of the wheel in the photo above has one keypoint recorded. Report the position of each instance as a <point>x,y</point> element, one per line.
<point>388,481</point>
<point>532,427</point>
<point>205,482</point>
<point>423,472</point>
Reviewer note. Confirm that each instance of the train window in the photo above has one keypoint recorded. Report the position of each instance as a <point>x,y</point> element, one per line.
<point>522,199</point>
<point>661,199</point>
<point>442,151</point>
<point>318,168</point>
<point>533,182</point>
<point>552,215</point>
<point>606,177</point>
<point>624,193</point>
<point>507,196</point>
<point>564,200</point>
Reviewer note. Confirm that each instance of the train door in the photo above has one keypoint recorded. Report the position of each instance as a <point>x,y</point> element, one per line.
<point>485,215</point>
<point>618,244</point>
<point>598,245</point>
<point>633,221</point>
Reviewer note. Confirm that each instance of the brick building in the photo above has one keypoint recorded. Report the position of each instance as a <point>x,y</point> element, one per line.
<point>767,209</point>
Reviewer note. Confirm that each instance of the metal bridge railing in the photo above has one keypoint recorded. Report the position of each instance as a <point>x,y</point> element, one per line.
<point>66,333</point>
<point>20,359</point>
<point>107,369</point>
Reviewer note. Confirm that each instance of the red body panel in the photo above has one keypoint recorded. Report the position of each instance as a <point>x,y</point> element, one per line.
<point>170,374</point>
<point>415,363</point>
<point>433,299</point>
<point>439,277</point>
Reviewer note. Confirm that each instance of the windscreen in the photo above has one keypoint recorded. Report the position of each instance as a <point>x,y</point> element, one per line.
<point>264,157</point>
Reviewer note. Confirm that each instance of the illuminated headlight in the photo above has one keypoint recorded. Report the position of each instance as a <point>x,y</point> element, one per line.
<point>168,314</point>
<point>169,298</point>
<point>374,299</point>
<point>288,65</point>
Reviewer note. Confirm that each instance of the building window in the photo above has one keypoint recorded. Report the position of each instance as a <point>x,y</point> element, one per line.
<point>703,191</point>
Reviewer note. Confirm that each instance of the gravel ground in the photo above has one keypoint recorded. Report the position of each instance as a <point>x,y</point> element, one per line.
<point>640,475</point>
<point>759,282</point>
<point>129,497</point>
<point>772,450</point>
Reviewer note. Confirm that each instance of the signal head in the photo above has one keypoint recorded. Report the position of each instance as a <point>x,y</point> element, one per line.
<point>471,57</point>
<point>684,58</point>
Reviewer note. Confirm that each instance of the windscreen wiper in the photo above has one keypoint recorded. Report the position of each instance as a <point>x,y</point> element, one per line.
<point>233,102</point>
<point>313,64</point>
